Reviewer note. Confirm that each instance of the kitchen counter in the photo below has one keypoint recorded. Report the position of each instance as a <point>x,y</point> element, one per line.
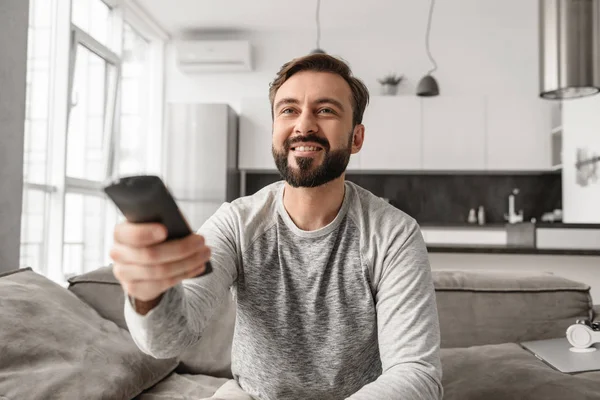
<point>551,238</point>
<point>460,225</point>
<point>506,249</point>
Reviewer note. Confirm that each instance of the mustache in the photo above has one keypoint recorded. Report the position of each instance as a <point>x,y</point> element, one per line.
<point>306,139</point>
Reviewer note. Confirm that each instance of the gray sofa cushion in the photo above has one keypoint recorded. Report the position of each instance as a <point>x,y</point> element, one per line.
<point>498,307</point>
<point>508,372</point>
<point>210,356</point>
<point>184,387</point>
<point>54,346</point>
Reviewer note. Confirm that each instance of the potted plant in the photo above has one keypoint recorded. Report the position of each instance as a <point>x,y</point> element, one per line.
<point>390,83</point>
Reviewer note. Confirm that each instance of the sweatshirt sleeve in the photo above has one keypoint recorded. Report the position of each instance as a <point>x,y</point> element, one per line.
<point>408,325</point>
<point>179,319</point>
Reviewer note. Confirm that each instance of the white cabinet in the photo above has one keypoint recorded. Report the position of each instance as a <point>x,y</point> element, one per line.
<point>256,128</point>
<point>556,139</point>
<point>581,127</point>
<point>453,133</point>
<point>518,133</point>
<point>392,134</point>
<point>444,133</point>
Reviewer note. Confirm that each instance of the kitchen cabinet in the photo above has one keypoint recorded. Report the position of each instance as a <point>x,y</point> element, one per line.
<point>453,129</point>
<point>256,128</point>
<point>392,134</point>
<point>519,133</point>
<point>444,133</point>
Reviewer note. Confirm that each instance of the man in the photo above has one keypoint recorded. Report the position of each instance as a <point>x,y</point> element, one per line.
<point>333,286</point>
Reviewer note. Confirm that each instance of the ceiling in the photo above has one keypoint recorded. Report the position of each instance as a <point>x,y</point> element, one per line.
<point>277,15</point>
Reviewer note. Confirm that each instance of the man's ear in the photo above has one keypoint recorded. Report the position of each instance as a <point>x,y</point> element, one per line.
<point>358,137</point>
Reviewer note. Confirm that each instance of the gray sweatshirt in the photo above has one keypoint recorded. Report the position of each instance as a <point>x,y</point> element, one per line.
<point>344,312</point>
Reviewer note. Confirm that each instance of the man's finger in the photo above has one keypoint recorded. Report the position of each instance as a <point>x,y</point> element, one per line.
<point>139,235</point>
<point>136,272</point>
<point>162,253</point>
<point>148,290</point>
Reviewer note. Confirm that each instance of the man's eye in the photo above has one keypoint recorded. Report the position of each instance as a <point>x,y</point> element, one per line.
<point>287,111</point>
<point>326,110</point>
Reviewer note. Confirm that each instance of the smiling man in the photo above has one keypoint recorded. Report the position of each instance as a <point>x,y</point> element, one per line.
<point>334,293</point>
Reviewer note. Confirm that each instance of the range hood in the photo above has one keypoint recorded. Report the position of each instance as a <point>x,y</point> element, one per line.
<point>569,48</point>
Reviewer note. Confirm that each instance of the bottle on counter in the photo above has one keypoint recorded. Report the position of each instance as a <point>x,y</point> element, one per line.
<point>481,216</point>
<point>472,219</point>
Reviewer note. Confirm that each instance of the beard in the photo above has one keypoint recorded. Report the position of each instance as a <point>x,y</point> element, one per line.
<point>308,175</point>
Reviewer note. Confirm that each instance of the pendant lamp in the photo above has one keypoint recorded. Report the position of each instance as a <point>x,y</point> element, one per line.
<point>318,49</point>
<point>428,86</point>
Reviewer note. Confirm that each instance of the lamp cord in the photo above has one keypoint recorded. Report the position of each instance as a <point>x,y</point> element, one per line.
<point>427,38</point>
<point>318,24</point>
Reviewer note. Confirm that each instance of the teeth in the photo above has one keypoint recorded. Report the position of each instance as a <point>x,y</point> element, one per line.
<point>306,148</point>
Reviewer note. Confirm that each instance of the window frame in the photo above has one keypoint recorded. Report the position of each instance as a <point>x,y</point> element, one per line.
<point>82,38</point>
<point>66,37</point>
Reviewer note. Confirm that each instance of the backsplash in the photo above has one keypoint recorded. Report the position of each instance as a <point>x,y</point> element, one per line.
<point>445,198</point>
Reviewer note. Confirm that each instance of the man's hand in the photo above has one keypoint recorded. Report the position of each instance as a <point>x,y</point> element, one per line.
<point>146,266</point>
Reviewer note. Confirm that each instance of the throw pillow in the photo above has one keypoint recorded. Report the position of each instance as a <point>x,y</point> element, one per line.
<point>54,346</point>
<point>210,356</point>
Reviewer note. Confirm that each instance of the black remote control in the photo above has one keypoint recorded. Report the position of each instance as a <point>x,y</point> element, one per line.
<point>145,198</point>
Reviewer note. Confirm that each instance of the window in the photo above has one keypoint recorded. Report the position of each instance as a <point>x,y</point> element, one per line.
<point>94,74</point>
<point>36,142</point>
<point>133,151</point>
<point>99,79</point>
<point>85,239</point>
<point>92,109</point>
<point>93,17</point>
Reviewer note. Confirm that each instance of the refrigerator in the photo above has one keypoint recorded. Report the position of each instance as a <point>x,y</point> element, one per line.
<point>200,152</point>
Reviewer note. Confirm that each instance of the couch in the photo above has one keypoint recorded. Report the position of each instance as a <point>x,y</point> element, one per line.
<point>73,343</point>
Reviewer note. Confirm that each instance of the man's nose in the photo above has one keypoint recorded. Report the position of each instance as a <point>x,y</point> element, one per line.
<point>306,123</point>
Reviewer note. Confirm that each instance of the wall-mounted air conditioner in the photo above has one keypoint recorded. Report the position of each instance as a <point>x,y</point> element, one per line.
<point>213,55</point>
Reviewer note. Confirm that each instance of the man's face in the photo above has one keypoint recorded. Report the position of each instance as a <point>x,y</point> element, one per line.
<point>313,135</point>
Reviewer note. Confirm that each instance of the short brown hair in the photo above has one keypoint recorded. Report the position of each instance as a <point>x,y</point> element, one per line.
<point>324,63</point>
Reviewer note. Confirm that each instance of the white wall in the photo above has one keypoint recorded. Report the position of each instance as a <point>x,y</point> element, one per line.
<point>14,16</point>
<point>581,128</point>
<point>482,47</point>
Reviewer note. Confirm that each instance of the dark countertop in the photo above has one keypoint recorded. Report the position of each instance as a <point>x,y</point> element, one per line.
<point>566,225</point>
<point>500,249</point>
<point>503,224</point>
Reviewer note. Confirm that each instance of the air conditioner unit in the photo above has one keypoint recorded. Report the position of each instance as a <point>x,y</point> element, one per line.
<point>195,56</point>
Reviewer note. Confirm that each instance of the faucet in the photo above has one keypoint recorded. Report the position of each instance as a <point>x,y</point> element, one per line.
<point>513,217</point>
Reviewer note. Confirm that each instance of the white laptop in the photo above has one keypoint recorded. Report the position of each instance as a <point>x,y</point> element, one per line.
<point>556,353</point>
